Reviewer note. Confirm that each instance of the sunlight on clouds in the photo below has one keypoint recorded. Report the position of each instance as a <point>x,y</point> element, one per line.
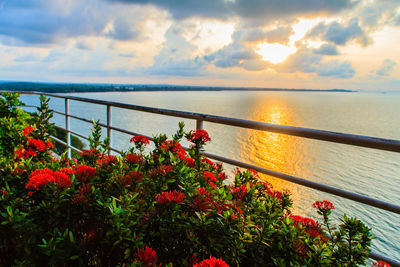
<point>275,53</point>
<point>209,36</point>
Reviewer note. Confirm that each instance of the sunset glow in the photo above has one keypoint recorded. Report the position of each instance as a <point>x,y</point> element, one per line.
<point>275,53</point>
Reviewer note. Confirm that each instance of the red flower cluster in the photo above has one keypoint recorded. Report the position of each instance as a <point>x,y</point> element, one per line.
<point>199,136</point>
<point>240,192</point>
<point>209,162</point>
<point>38,144</point>
<point>88,153</point>
<point>190,162</point>
<point>222,176</point>
<point>129,177</point>
<point>323,206</point>
<point>202,201</point>
<point>28,129</point>
<point>268,189</point>
<point>212,262</point>
<point>107,160</point>
<point>381,264</point>
<point>133,158</point>
<point>161,170</point>
<point>67,171</point>
<point>22,153</point>
<point>209,177</point>
<point>170,196</point>
<point>4,192</point>
<point>83,172</point>
<point>176,147</point>
<point>40,177</point>
<point>147,256</point>
<point>311,227</point>
<point>140,140</point>
<point>83,195</point>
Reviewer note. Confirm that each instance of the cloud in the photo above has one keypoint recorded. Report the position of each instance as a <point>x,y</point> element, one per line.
<point>336,69</point>
<point>176,58</point>
<point>278,35</point>
<point>28,58</point>
<point>43,23</point>
<point>304,60</point>
<point>254,10</point>
<point>386,67</point>
<point>339,34</point>
<point>85,45</point>
<point>327,49</point>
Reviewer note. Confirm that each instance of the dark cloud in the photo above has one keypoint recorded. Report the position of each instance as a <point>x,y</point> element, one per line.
<point>340,34</point>
<point>386,67</point>
<point>327,49</point>
<point>251,9</point>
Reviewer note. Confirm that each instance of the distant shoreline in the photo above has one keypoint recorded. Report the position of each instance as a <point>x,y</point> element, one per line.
<point>96,88</point>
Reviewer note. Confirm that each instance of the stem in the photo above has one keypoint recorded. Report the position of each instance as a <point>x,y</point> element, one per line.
<point>326,222</point>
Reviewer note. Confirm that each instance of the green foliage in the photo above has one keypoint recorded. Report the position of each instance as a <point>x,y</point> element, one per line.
<point>103,209</point>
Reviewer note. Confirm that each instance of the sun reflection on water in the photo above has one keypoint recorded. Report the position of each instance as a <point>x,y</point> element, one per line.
<point>278,152</point>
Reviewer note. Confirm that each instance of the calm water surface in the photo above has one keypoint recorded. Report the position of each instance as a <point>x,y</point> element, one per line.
<point>365,171</point>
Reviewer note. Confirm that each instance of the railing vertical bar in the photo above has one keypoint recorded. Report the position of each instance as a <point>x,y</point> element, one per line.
<point>109,122</point>
<point>67,127</point>
<point>199,124</point>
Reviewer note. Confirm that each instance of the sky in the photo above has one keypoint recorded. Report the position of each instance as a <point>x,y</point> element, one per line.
<point>315,44</point>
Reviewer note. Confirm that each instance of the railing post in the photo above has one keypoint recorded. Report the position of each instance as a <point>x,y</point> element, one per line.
<point>67,128</point>
<point>199,124</point>
<point>108,127</point>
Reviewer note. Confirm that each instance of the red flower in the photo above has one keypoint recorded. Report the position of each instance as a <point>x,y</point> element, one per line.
<point>212,262</point>
<point>254,173</point>
<point>67,171</point>
<point>190,162</point>
<point>83,172</point>
<point>147,256</point>
<point>140,140</point>
<point>38,144</point>
<point>4,192</point>
<point>38,178</point>
<point>311,226</point>
<point>170,196</point>
<point>209,162</point>
<point>133,158</point>
<point>381,264</point>
<point>209,177</point>
<point>88,153</point>
<point>25,153</point>
<point>202,201</point>
<point>27,130</point>
<point>323,206</point>
<point>107,160</point>
<point>61,179</point>
<point>82,195</point>
<point>222,176</point>
<point>199,136</point>
<point>49,145</point>
<point>161,170</point>
<point>240,192</point>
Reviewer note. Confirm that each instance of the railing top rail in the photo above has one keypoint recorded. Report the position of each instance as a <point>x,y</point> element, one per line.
<point>336,137</point>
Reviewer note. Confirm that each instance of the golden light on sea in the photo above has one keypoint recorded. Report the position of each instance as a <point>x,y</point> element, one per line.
<point>274,151</point>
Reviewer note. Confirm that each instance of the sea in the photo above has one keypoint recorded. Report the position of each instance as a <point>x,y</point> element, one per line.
<point>365,171</point>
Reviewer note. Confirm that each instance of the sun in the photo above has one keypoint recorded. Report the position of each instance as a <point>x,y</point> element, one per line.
<point>275,53</point>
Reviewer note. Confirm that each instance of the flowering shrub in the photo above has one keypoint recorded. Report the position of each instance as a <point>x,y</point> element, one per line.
<point>168,207</point>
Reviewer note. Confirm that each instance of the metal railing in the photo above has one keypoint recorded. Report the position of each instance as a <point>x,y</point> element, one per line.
<point>349,139</point>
